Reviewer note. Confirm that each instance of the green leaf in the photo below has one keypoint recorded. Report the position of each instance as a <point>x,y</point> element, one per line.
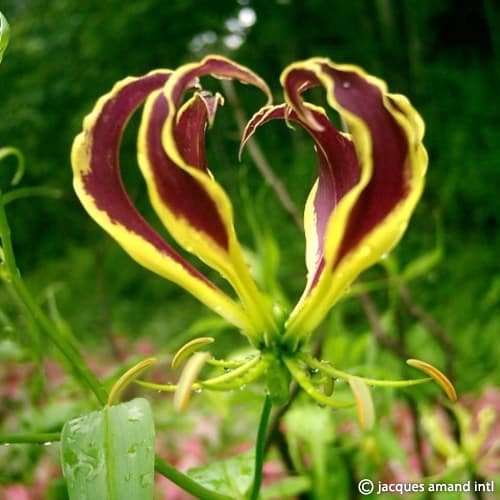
<point>425,263</point>
<point>4,35</point>
<point>288,487</point>
<point>109,454</point>
<point>232,477</point>
<point>312,429</point>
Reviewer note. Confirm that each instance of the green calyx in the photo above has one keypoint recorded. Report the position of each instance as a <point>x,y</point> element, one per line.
<point>278,378</point>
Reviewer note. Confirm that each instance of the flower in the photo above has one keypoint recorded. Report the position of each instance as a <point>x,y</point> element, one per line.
<point>369,181</point>
<point>474,443</point>
<point>463,439</point>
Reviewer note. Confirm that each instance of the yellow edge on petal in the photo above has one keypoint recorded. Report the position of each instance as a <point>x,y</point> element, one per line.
<point>231,266</point>
<point>437,375</point>
<point>313,307</point>
<point>139,249</point>
<point>312,243</point>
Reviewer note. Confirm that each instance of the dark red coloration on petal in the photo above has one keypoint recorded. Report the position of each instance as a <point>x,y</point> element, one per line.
<point>338,172</point>
<point>388,184</point>
<point>178,190</point>
<point>220,68</point>
<point>298,81</point>
<point>338,168</point>
<point>103,181</point>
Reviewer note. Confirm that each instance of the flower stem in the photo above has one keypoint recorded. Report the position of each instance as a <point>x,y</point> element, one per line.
<point>185,482</point>
<point>74,357</point>
<point>260,448</point>
<point>30,438</point>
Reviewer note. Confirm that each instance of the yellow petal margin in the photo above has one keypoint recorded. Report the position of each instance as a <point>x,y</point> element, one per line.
<point>226,257</point>
<point>98,184</point>
<point>343,260</point>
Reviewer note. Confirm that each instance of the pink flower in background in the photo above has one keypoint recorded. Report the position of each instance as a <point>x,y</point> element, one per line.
<point>475,444</point>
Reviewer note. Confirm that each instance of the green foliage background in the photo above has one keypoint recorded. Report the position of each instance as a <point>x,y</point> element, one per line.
<point>444,55</point>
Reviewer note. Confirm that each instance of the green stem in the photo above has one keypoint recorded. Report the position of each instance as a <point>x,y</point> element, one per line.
<point>84,374</point>
<point>164,468</point>
<point>30,438</point>
<point>260,447</point>
<point>28,192</point>
<point>185,482</point>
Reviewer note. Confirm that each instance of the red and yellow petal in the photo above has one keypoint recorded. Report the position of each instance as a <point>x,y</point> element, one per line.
<point>372,215</point>
<point>191,204</point>
<point>338,172</point>
<point>98,184</point>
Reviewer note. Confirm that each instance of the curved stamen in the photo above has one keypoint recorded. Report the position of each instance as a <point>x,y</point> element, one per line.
<point>333,372</point>
<point>242,375</point>
<point>186,380</point>
<point>189,348</point>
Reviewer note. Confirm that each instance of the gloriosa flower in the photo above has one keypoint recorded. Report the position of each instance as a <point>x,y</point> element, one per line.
<point>369,181</point>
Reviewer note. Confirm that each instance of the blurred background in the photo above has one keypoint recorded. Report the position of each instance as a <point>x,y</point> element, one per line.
<point>444,56</point>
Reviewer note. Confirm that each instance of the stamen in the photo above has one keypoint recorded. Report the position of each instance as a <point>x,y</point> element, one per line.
<point>186,381</point>
<point>364,403</point>
<point>189,348</point>
<point>335,373</point>
<point>437,375</point>
<point>127,378</point>
<point>242,375</point>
